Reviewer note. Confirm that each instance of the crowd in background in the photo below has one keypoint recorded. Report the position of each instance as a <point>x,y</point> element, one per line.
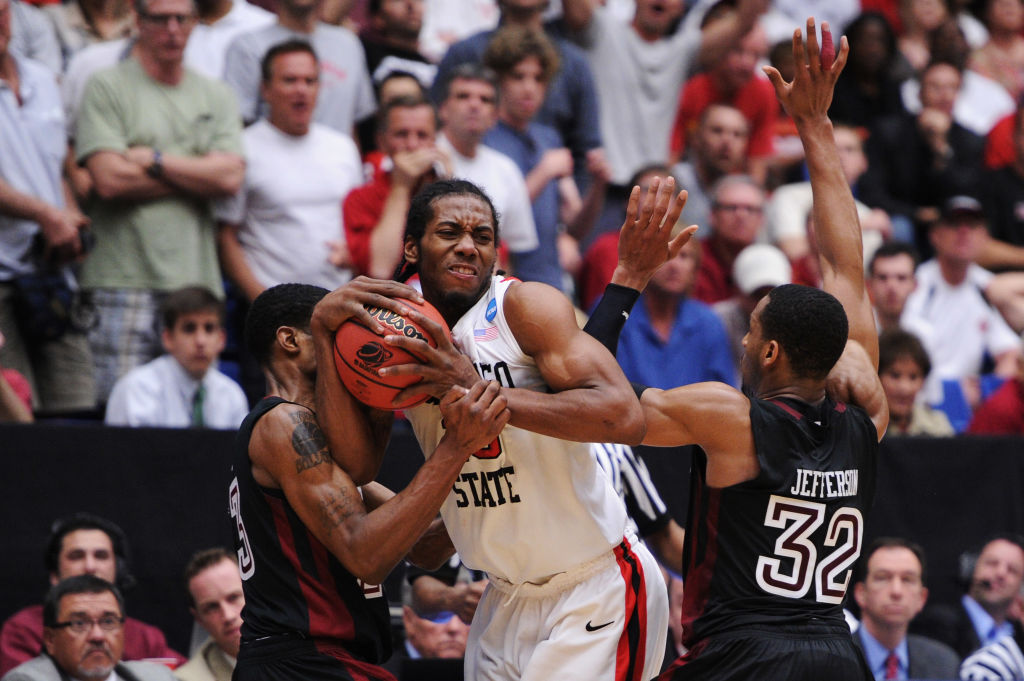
<point>163,162</point>
<point>155,146</point>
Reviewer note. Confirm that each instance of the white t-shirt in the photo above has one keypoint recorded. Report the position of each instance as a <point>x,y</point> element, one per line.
<point>446,22</point>
<point>956,325</point>
<point>290,204</point>
<point>638,86</point>
<point>785,217</point>
<point>208,43</point>
<point>539,505</point>
<point>980,104</point>
<point>160,393</point>
<point>346,94</point>
<point>503,182</point>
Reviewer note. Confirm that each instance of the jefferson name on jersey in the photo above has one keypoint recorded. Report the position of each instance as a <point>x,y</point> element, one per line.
<point>826,484</point>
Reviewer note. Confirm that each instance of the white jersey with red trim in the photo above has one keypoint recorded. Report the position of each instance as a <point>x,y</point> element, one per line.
<point>529,506</point>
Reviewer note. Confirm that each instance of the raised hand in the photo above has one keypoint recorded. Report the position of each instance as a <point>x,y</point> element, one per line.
<point>645,240</point>
<point>810,93</point>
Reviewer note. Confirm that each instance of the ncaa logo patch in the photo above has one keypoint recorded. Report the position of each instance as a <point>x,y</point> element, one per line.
<point>492,310</point>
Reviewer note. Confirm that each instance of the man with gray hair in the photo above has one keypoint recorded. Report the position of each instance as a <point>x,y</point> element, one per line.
<point>160,141</point>
<point>83,635</point>
<point>737,215</point>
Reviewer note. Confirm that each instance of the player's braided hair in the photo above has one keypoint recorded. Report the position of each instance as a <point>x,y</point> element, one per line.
<point>421,211</point>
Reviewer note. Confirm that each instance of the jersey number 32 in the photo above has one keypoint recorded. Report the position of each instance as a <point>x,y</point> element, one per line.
<point>796,565</point>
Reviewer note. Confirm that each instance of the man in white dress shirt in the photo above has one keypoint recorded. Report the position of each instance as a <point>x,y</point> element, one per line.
<point>182,388</point>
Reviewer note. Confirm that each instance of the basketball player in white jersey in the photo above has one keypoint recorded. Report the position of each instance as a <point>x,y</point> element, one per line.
<point>572,595</point>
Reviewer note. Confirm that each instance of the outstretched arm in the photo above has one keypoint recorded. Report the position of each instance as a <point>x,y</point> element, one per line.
<point>836,226</point>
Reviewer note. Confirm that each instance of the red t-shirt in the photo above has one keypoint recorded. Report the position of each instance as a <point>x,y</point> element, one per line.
<point>1002,413</point>
<point>756,101</point>
<point>362,209</point>
<point>598,267</point>
<point>20,386</point>
<point>714,277</point>
<point>999,143</point>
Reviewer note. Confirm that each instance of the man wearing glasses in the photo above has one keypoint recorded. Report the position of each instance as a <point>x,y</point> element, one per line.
<point>737,213</point>
<point>81,543</point>
<point>160,142</point>
<point>83,620</point>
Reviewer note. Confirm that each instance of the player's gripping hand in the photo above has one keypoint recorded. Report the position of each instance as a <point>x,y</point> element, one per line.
<point>443,367</point>
<point>473,418</point>
<point>350,301</point>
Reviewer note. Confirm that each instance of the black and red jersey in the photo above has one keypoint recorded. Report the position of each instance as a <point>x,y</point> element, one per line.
<point>293,585</point>
<point>780,549</point>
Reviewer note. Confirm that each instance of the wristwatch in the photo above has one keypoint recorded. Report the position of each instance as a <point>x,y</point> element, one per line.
<point>156,168</point>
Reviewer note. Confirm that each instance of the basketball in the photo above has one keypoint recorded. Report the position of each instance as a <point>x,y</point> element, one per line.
<point>359,353</point>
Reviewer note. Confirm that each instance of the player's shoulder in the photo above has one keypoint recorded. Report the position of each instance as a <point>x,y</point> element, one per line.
<point>274,439</point>
<point>286,412</point>
<point>533,299</point>
<point>274,431</point>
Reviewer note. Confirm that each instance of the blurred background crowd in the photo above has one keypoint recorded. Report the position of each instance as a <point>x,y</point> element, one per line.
<point>162,162</point>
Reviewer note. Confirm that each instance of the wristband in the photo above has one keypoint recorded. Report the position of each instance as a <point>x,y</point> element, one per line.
<point>611,313</point>
<point>638,388</point>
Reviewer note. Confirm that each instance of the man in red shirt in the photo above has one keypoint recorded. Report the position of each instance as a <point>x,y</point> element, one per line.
<point>737,216</point>
<point>375,213</point>
<point>82,544</point>
<point>732,80</point>
<point>1003,412</point>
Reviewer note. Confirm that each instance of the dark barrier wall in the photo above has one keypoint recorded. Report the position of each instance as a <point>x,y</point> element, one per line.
<point>168,490</point>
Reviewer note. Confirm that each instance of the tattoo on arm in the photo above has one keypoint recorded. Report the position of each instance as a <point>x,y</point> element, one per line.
<point>309,442</point>
<point>335,509</point>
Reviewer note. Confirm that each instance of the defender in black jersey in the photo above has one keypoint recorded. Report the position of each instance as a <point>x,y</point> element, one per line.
<point>787,471</point>
<point>312,546</point>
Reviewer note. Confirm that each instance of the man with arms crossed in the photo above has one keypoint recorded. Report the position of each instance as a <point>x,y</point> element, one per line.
<point>572,594</point>
<point>777,514</point>
<point>312,546</point>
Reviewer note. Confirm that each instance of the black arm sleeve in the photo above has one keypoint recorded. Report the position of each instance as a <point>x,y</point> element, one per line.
<point>611,314</point>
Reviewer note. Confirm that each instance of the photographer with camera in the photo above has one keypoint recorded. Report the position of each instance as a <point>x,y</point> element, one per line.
<point>41,233</point>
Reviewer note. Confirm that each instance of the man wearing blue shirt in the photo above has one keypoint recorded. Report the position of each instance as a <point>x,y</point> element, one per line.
<point>671,339</point>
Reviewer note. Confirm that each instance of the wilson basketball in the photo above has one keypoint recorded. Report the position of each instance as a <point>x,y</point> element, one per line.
<point>359,353</point>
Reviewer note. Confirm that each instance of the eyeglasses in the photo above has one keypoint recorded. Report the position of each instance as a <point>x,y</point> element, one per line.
<point>82,625</point>
<point>164,20</point>
<point>738,207</point>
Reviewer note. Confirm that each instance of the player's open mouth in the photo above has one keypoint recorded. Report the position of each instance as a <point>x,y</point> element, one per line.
<point>462,271</point>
